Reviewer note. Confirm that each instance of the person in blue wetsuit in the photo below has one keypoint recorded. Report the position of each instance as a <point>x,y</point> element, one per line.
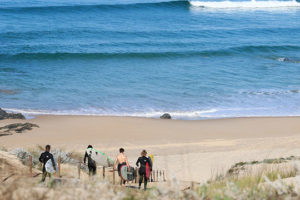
<point>142,162</point>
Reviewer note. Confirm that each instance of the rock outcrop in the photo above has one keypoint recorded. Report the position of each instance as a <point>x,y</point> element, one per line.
<point>166,116</point>
<point>18,127</point>
<point>5,115</point>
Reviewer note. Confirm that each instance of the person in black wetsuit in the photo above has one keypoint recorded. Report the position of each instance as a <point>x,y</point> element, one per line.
<point>142,161</point>
<point>91,163</point>
<point>43,159</point>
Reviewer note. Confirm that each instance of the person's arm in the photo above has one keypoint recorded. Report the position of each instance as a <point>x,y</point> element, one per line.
<point>150,163</point>
<point>41,159</point>
<point>127,163</point>
<point>53,163</point>
<point>85,156</point>
<point>115,163</point>
<point>137,162</point>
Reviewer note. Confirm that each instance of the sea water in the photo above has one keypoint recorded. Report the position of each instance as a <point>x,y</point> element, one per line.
<point>193,59</point>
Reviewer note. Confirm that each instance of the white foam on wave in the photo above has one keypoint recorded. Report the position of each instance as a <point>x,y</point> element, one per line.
<point>93,112</point>
<point>245,4</point>
<point>181,115</point>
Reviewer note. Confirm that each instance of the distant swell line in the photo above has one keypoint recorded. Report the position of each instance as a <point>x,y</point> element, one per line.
<point>171,4</point>
<point>84,7</point>
<point>62,55</point>
<point>205,53</point>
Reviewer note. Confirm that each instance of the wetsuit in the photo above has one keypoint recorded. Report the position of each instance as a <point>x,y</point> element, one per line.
<point>142,171</point>
<point>119,172</point>
<point>119,167</point>
<point>43,159</point>
<point>91,164</point>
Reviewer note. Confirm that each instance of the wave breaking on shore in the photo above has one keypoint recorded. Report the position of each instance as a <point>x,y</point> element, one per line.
<point>212,113</point>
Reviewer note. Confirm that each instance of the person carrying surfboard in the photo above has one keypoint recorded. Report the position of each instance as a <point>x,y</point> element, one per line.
<point>44,158</point>
<point>145,168</point>
<point>91,163</point>
<point>121,160</point>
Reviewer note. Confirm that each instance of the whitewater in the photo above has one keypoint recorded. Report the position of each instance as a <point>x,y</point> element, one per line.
<point>246,4</point>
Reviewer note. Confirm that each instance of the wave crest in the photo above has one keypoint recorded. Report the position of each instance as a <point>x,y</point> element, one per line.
<point>204,53</point>
<point>245,4</point>
<point>60,7</point>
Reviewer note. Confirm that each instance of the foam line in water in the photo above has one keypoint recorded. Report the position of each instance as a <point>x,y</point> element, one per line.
<point>187,115</point>
<point>96,112</point>
<point>245,4</point>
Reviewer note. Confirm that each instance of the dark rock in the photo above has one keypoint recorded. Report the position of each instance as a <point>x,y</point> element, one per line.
<point>18,127</point>
<point>5,115</point>
<point>166,116</point>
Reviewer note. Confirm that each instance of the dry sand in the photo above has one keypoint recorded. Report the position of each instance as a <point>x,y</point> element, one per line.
<point>188,150</point>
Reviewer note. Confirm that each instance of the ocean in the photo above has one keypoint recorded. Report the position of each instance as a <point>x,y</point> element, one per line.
<point>192,59</point>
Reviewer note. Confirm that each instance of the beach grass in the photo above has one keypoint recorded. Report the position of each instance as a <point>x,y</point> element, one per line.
<point>266,179</point>
<point>264,182</point>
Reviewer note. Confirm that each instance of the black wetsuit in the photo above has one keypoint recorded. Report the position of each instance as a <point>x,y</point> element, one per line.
<point>119,172</point>
<point>142,171</point>
<point>91,164</point>
<point>43,159</point>
<point>119,167</point>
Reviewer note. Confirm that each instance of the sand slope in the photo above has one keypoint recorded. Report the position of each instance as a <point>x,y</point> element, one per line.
<point>189,150</point>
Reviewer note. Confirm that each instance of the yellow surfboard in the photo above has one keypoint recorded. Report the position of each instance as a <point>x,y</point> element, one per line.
<point>152,159</point>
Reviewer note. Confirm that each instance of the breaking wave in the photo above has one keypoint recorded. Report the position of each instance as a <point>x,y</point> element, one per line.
<point>58,6</point>
<point>245,4</point>
<point>99,112</point>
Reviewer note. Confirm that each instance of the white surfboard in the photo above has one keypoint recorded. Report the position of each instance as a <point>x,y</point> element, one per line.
<point>49,166</point>
<point>127,175</point>
<point>100,158</point>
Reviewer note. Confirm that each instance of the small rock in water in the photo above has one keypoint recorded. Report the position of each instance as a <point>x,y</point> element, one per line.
<point>166,116</point>
<point>5,115</point>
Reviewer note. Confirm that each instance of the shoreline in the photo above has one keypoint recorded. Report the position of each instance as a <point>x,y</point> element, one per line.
<point>157,118</point>
<point>179,146</point>
<point>31,115</point>
<point>184,116</point>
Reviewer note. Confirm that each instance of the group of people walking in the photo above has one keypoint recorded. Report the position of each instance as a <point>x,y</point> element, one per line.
<point>121,160</point>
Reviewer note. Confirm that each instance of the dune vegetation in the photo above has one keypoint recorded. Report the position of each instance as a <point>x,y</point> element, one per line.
<point>267,179</point>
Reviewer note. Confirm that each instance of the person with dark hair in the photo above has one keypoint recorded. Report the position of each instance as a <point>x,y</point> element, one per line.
<point>44,158</point>
<point>91,163</point>
<point>121,160</point>
<point>142,161</point>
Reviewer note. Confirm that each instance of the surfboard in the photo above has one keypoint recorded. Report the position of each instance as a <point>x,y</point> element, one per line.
<point>148,171</point>
<point>99,157</point>
<point>49,166</point>
<point>151,157</point>
<point>127,175</point>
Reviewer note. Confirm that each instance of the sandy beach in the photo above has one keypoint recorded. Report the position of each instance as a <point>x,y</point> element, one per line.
<point>188,150</point>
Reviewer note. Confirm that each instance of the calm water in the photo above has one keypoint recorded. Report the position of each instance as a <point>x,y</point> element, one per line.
<point>143,58</point>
